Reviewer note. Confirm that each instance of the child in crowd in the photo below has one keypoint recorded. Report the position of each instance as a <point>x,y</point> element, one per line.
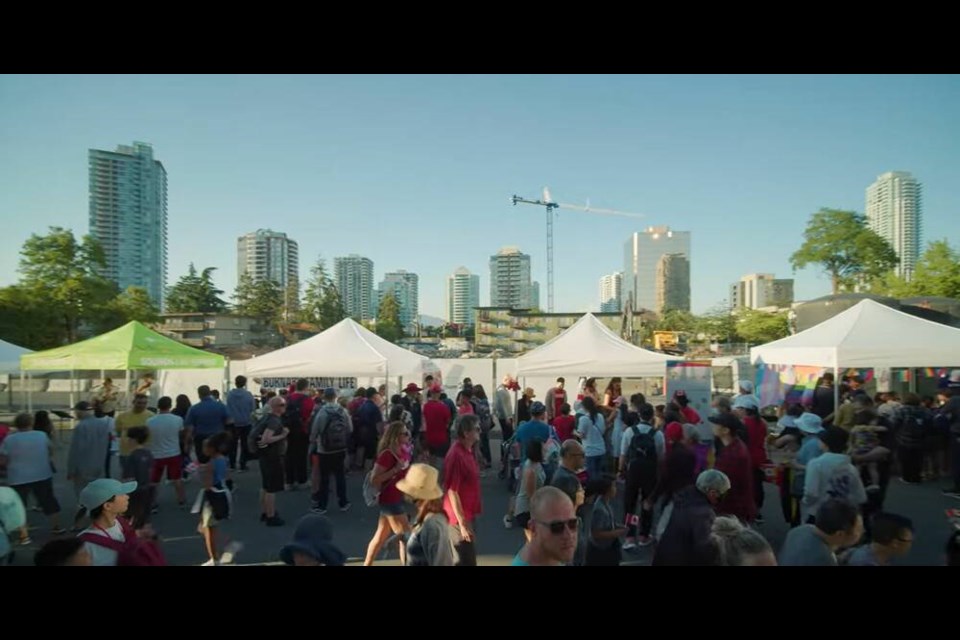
<point>564,423</point>
<point>214,501</point>
<point>865,449</point>
<point>603,537</point>
<point>137,466</point>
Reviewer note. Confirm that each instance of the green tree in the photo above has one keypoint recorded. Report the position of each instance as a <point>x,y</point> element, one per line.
<point>759,327</point>
<point>260,299</point>
<point>195,293</point>
<point>388,319</point>
<point>676,320</point>
<point>718,324</point>
<point>322,304</point>
<point>849,252</point>
<point>291,303</point>
<point>132,304</point>
<point>937,274</point>
<point>65,275</point>
<point>28,321</point>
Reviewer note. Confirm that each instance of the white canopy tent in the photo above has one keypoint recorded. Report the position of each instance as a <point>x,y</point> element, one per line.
<point>344,350</point>
<point>10,357</point>
<point>868,335</point>
<point>10,363</point>
<point>589,348</point>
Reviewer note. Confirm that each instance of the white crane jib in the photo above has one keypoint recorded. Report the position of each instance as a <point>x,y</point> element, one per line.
<point>551,206</point>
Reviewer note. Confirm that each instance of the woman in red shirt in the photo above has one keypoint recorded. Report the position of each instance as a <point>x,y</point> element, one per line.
<point>391,466</point>
<point>734,461</point>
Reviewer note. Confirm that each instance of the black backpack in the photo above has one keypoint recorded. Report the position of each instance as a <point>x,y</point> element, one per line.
<point>292,417</point>
<point>334,436</point>
<point>643,448</point>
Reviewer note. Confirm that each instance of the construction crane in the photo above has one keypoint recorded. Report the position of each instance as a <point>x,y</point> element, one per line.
<point>551,207</point>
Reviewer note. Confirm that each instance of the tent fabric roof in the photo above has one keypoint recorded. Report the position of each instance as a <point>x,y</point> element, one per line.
<point>132,346</point>
<point>589,348</point>
<point>346,350</point>
<point>866,335</point>
<point>10,356</point>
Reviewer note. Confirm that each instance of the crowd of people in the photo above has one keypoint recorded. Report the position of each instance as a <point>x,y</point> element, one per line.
<point>592,477</point>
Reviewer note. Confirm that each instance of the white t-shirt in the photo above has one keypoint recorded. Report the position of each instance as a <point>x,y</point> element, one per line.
<point>643,428</point>
<point>165,429</point>
<point>102,556</point>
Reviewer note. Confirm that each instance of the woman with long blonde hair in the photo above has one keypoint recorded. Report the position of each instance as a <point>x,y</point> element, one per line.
<point>393,460</point>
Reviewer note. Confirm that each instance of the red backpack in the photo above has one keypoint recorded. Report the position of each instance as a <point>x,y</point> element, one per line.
<point>134,551</point>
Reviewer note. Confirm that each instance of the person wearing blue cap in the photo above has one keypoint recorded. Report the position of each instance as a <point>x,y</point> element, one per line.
<point>312,544</point>
<point>106,500</point>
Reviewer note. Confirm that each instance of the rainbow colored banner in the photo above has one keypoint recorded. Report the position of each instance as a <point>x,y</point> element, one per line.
<point>777,384</point>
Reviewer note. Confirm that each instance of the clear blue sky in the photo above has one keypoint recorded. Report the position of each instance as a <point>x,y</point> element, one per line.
<point>416,172</point>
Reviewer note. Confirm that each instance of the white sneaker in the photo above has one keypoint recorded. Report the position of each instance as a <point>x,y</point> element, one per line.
<point>210,563</point>
<point>629,545</point>
<point>507,522</point>
<point>230,551</point>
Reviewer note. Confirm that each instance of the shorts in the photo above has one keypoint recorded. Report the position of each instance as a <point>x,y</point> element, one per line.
<point>438,451</point>
<point>43,491</point>
<point>207,517</point>
<point>173,466</point>
<point>271,474</point>
<point>393,509</point>
<point>521,520</point>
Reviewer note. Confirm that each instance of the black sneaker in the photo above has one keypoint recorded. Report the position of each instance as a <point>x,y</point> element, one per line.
<point>263,517</point>
<point>952,493</point>
<point>275,521</point>
<point>346,507</point>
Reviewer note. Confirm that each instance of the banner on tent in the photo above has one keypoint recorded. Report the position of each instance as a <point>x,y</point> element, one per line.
<point>316,383</point>
<point>693,377</point>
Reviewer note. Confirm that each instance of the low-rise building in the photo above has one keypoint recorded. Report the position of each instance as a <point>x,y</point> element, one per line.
<point>516,331</point>
<point>216,330</point>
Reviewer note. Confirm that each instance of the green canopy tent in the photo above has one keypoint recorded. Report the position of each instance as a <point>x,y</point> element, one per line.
<point>128,348</point>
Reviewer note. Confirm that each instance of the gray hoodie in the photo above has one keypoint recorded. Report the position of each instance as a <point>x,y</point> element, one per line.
<point>320,421</point>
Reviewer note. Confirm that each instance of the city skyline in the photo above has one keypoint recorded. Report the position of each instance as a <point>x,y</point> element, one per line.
<point>721,156</point>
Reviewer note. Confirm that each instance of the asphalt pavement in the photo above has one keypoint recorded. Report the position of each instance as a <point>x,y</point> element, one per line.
<point>496,545</point>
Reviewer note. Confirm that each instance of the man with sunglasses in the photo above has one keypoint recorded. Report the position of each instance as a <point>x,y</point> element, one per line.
<point>554,527</point>
<point>686,540</point>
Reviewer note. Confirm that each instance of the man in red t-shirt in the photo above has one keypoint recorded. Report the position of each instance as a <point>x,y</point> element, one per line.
<point>746,408</point>
<point>436,425</point>
<point>461,482</point>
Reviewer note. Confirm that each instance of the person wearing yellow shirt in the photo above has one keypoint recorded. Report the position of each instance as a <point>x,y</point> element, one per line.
<point>136,417</point>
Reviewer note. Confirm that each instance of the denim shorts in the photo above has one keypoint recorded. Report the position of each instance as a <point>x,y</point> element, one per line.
<point>393,509</point>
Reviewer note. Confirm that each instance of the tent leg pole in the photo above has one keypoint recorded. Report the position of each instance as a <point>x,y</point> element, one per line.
<point>126,394</point>
<point>913,380</point>
<point>72,387</point>
<point>836,391</point>
<point>23,390</point>
<point>30,393</point>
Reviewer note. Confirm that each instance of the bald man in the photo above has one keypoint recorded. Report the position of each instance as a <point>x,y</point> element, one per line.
<point>553,530</point>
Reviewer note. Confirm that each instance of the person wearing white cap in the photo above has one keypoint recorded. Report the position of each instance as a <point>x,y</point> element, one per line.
<point>430,544</point>
<point>106,500</point>
<point>810,426</point>
<point>746,391</point>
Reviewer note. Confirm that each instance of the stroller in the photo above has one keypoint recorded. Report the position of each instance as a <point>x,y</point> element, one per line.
<point>510,462</point>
